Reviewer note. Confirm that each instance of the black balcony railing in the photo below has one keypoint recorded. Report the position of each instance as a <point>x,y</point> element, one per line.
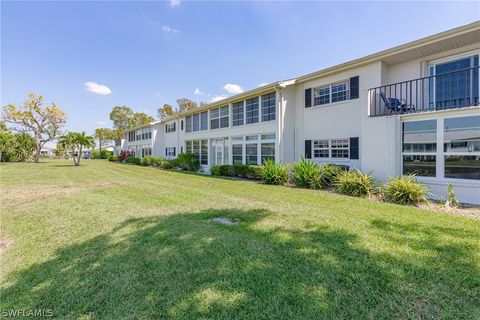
<point>457,89</point>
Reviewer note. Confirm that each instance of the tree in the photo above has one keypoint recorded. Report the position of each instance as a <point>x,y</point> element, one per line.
<point>44,122</point>
<point>75,142</point>
<point>185,104</point>
<point>124,118</point>
<point>103,135</point>
<point>7,143</point>
<point>140,118</point>
<point>165,112</point>
<point>24,146</point>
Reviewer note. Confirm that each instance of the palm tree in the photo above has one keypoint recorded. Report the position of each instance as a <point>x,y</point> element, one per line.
<point>76,141</point>
<point>69,142</point>
<point>83,141</point>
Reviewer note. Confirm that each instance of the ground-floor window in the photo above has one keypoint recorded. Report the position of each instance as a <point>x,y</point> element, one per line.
<point>331,148</point>
<point>460,154</point>
<point>199,148</point>
<point>253,149</point>
<point>170,151</point>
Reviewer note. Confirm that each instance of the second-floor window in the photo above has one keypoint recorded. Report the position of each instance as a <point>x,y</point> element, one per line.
<point>268,107</point>
<point>170,127</point>
<point>331,93</point>
<point>188,124</point>
<point>251,107</point>
<point>219,118</point>
<point>238,113</point>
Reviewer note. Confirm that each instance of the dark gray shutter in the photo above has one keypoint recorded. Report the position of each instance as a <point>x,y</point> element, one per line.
<point>165,128</point>
<point>166,152</point>
<point>354,87</point>
<point>181,125</point>
<point>354,148</point>
<point>308,149</point>
<point>308,98</point>
<point>174,126</point>
<point>174,152</point>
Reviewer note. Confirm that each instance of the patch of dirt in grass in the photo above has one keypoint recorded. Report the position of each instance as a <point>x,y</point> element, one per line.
<point>465,210</point>
<point>4,244</point>
<point>20,196</point>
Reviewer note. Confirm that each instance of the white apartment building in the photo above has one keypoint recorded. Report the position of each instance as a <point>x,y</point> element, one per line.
<point>409,109</point>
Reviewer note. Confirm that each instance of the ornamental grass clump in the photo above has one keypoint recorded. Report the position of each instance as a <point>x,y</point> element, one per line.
<point>354,183</point>
<point>405,190</point>
<point>273,173</point>
<point>328,174</point>
<point>306,174</point>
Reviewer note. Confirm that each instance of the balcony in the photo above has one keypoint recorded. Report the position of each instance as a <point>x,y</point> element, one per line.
<point>452,90</point>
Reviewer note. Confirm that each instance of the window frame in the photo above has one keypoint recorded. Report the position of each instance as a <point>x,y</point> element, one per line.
<point>330,148</point>
<point>317,94</point>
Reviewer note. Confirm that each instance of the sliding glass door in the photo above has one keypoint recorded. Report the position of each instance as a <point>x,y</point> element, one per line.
<point>454,83</point>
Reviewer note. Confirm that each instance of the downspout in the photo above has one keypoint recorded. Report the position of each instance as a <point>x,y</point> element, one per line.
<point>280,123</point>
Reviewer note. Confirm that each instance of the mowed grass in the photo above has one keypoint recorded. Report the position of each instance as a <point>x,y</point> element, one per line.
<point>112,241</point>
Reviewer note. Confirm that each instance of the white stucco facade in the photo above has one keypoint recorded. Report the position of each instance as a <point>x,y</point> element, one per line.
<point>337,124</point>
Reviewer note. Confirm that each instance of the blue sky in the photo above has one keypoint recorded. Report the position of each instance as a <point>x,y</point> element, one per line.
<point>145,54</point>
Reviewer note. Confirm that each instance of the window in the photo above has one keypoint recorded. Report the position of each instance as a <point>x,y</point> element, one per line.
<point>321,149</point>
<point>331,149</point>
<point>339,148</point>
<point>419,147</point>
<point>131,136</point>
<point>196,149</point>
<point>196,122</point>
<point>170,127</point>
<point>238,113</point>
<point>188,124</point>
<point>270,136</point>
<point>170,152</point>
<point>199,148</point>
<point>219,118</point>
<point>204,120</point>
<point>251,106</point>
<point>462,147</point>
<point>335,92</point>
<point>204,152</point>
<point>251,138</point>
<point>146,151</point>
<point>453,84</point>
<point>268,107</point>
<point>251,153</point>
<point>237,153</point>
<point>138,135</point>
<point>267,151</point>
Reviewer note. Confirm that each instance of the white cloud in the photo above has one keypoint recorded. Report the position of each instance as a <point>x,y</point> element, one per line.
<point>218,98</point>
<point>232,88</point>
<point>174,3</point>
<point>198,92</point>
<point>101,122</point>
<point>169,29</point>
<point>97,88</point>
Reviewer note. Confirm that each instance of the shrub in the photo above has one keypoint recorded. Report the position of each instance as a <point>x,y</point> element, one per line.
<point>133,160</point>
<point>188,162</point>
<point>215,170</point>
<point>405,190</point>
<point>255,172</point>
<point>306,174</point>
<point>328,174</point>
<point>123,156</point>
<point>113,158</point>
<point>354,183</point>
<point>104,154</point>
<point>152,161</point>
<point>273,173</point>
<point>168,164</point>
<point>452,201</point>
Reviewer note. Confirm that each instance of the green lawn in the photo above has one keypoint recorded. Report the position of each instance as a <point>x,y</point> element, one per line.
<point>112,241</point>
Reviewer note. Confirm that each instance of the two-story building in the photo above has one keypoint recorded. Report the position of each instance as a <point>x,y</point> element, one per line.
<point>412,109</point>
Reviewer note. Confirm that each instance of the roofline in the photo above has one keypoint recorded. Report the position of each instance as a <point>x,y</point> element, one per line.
<point>389,52</point>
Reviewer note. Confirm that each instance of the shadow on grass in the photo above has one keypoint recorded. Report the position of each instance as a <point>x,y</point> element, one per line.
<point>187,266</point>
